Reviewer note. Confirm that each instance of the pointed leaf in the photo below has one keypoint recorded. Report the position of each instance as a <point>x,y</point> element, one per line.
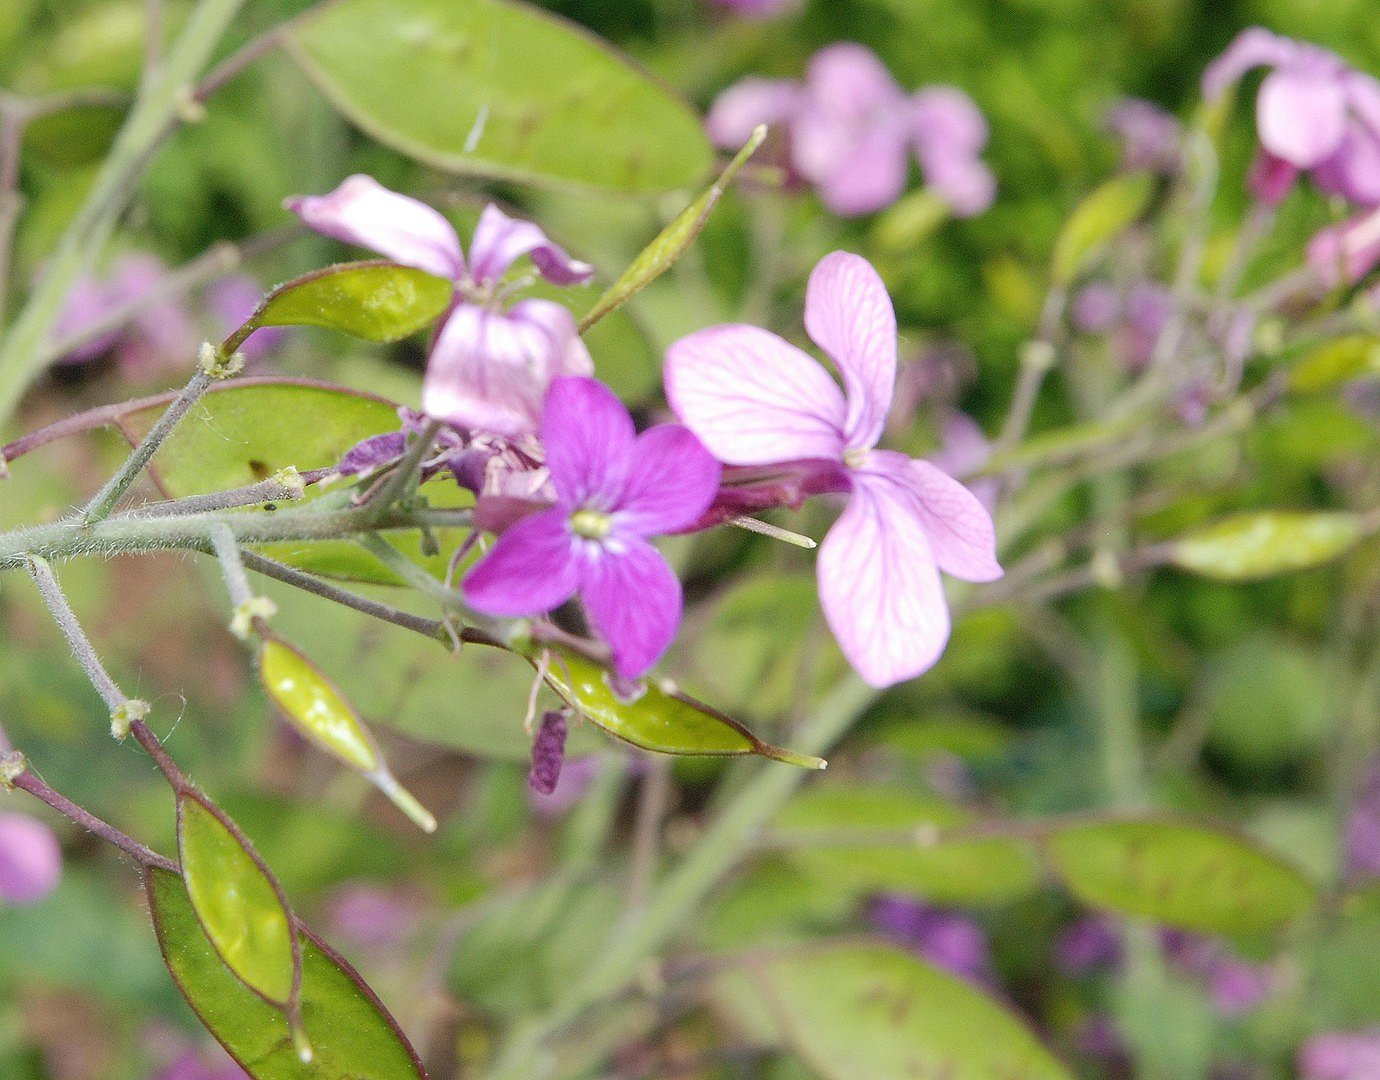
<point>1096,221</point>
<point>1179,873</point>
<point>1257,545</point>
<point>352,1034</point>
<point>502,90</point>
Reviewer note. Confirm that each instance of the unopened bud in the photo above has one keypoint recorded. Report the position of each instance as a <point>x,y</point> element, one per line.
<point>216,364</point>
<point>126,713</point>
<point>548,753</point>
<point>13,765</point>
<point>250,612</point>
<point>290,480</point>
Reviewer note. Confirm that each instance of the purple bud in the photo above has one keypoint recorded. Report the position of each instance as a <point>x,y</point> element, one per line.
<point>1088,944</point>
<point>30,860</point>
<point>372,452</point>
<point>1341,1055</point>
<point>574,781</point>
<point>1096,308</point>
<point>1271,178</point>
<point>548,753</point>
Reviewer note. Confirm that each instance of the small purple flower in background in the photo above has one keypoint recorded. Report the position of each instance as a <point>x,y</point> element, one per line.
<point>1096,307</point>
<point>1344,254</point>
<point>232,300</point>
<point>548,753</point>
<point>1090,944</point>
<point>490,366</point>
<point>1137,318</point>
<point>614,490</point>
<point>852,130</point>
<point>191,1064</point>
<point>756,9</point>
<point>1341,1055</point>
<point>1314,114</point>
<point>1150,136</point>
<point>1235,986</point>
<point>572,784</point>
<point>755,399</point>
<point>372,916</point>
<point>964,448</point>
<point>30,860</point>
<point>945,939</point>
<point>1362,840</point>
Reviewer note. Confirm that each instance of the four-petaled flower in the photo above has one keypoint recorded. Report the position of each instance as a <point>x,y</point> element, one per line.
<point>614,490</point>
<point>754,399</point>
<point>489,367</point>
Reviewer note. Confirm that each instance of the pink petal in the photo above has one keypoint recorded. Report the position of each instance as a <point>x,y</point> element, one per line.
<point>1353,171</point>
<point>1301,115</point>
<point>489,371</point>
<point>30,859</point>
<point>1271,178</point>
<point>880,588</point>
<point>1252,48</point>
<point>499,241</point>
<point>633,601</point>
<point>957,525</point>
<point>849,315</point>
<point>870,173</point>
<point>363,212</point>
<point>532,569</point>
<point>752,398</point>
<point>674,482</point>
<point>964,183</point>
<point>946,116</point>
<point>589,439</point>
<point>848,78</point>
<point>850,107</point>
<point>1346,253</point>
<point>744,105</point>
<point>1363,93</point>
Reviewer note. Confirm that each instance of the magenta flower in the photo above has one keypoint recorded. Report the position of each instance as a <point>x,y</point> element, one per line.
<point>30,860</point>
<point>852,131</point>
<point>490,366</point>
<point>1314,114</point>
<point>1341,1055</point>
<point>614,490</point>
<point>754,399</point>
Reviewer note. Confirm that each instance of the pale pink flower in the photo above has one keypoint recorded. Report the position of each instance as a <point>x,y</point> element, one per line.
<point>756,400</point>
<point>490,364</point>
<point>30,860</point>
<point>1341,1055</point>
<point>757,9</point>
<point>1344,254</point>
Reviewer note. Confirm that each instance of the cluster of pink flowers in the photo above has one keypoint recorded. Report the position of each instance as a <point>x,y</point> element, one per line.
<point>851,132</point>
<point>575,494</point>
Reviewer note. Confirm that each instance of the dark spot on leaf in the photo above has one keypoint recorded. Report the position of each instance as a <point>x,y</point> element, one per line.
<point>259,470</point>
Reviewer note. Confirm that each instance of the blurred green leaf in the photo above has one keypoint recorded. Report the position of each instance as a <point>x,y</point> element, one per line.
<point>351,1033</point>
<point>1260,544</point>
<point>239,906</point>
<point>1335,362</point>
<point>1096,221</point>
<point>976,870</point>
<point>500,90</point>
<point>377,301</point>
<point>872,1012</point>
<point>1179,873</point>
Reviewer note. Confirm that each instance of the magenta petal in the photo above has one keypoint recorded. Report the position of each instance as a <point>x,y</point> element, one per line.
<point>739,109</point>
<point>1271,178</point>
<point>499,241</point>
<point>1252,48</point>
<point>363,212</point>
<point>1301,115</point>
<point>531,570</point>
<point>674,482</point>
<point>849,315</point>
<point>880,588</point>
<point>633,601</point>
<point>589,439</point>
<point>1353,171</point>
<point>752,398</point>
<point>30,859</point>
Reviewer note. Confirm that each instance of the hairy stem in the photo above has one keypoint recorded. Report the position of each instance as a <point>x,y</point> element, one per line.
<point>81,646</point>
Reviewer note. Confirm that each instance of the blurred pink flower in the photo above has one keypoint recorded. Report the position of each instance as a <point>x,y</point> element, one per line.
<point>757,9</point>
<point>947,939</point>
<point>372,916</point>
<point>1150,136</point>
<point>1344,254</point>
<point>232,300</point>
<point>30,860</point>
<point>1341,1055</point>
<point>191,1064</point>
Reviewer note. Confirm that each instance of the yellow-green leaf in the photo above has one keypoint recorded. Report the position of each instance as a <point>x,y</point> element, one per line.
<point>1096,221</point>
<point>1256,545</point>
<point>1335,362</point>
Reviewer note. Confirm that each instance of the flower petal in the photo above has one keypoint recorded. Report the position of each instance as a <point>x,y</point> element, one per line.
<point>945,117</point>
<point>30,859</point>
<point>850,107</point>
<point>589,439</point>
<point>880,588</point>
<point>739,109</point>
<point>673,483</point>
<point>752,398</point>
<point>633,601</point>
<point>1344,254</point>
<point>1301,114</point>
<point>957,525</point>
<point>500,240</point>
<point>531,570</point>
<point>1253,47</point>
<point>489,371</point>
<point>870,175</point>
<point>1353,171</point>
<point>849,315</point>
<point>363,212</point>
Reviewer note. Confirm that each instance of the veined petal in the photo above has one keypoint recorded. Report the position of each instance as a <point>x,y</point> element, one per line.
<point>363,212</point>
<point>739,109</point>
<point>957,525</point>
<point>589,439</point>
<point>489,371</point>
<point>849,315</point>
<point>633,601</point>
<point>1301,114</point>
<point>880,588</point>
<point>500,240</point>
<point>752,398</point>
<point>673,481</point>
<point>1253,47</point>
<point>531,570</point>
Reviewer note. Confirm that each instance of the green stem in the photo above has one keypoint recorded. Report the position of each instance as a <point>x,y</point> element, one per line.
<point>153,116</point>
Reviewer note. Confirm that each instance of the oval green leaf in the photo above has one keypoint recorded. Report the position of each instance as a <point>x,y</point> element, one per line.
<point>824,832</point>
<point>1335,362</point>
<point>1096,221</point>
<point>377,301</point>
<point>1180,874</point>
<point>350,1031</point>
<point>658,718</point>
<point>240,907</point>
<point>1257,545</point>
<point>499,89</point>
<point>873,1012</point>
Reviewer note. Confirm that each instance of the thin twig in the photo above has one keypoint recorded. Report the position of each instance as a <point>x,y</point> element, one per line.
<point>235,64</point>
<point>653,802</point>
<point>80,644</point>
<point>1037,359</point>
<point>265,491</point>
<point>27,781</point>
<point>232,567</point>
<point>153,43</point>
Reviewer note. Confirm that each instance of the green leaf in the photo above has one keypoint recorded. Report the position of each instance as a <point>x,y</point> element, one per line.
<point>1335,362</point>
<point>377,301</point>
<point>970,870</point>
<point>350,1031</point>
<point>873,1012</point>
<point>1179,873</point>
<point>657,718</point>
<point>1096,221</point>
<point>1256,545</point>
<point>240,907</point>
<point>502,90</point>
<point>673,241</point>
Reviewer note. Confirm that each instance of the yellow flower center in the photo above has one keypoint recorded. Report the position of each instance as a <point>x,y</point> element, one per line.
<point>591,524</point>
